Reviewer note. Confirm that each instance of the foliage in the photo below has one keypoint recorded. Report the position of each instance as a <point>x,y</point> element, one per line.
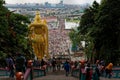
<point>108,23</point>
<point>13,32</point>
<point>75,38</point>
<point>76,20</point>
<point>87,28</point>
<point>2,55</point>
<point>101,23</point>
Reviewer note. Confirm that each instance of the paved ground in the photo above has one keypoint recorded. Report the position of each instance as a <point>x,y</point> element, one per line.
<point>57,75</point>
<point>63,77</point>
<point>108,79</point>
<point>60,75</point>
<point>6,78</point>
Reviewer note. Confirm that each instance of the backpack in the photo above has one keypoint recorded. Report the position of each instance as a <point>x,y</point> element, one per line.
<point>20,62</point>
<point>10,64</point>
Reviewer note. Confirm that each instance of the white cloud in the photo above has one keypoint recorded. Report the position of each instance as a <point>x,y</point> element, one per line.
<point>79,1</point>
<point>51,1</point>
<point>31,1</point>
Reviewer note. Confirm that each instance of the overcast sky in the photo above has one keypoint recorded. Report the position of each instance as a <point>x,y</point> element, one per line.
<point>51,1</point>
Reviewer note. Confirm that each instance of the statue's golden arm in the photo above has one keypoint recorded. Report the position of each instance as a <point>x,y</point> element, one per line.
<point>46,31</point>
<point>30,28</point>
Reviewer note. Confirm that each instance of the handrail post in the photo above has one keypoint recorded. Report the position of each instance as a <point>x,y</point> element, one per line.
<point>79,72</point>
<point>19,76</point>
<point>30,65</point>
<point>31,74</point>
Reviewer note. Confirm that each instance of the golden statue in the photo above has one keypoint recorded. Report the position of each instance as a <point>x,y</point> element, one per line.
<point>39,36</point>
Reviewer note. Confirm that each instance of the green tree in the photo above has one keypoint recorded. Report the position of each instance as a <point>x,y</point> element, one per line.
<point>88,19</point>
<point>87,29</point>
<point>102,23</point>
<point>13,32</point>
<point>74,39</point>
<point>4,30</point>
<point>18,29</point>
<point>108,36</point>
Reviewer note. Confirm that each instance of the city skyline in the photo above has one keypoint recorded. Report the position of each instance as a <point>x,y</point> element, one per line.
<point>51,1</point>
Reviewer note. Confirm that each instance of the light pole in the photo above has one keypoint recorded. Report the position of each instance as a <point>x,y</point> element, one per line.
<point>68,44</point>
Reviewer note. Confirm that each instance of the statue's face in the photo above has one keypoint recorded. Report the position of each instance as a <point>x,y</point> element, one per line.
<point>38,30</point>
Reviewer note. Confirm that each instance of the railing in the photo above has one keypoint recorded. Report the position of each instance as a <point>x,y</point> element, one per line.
<point>29,74</point>
<point>4,72</point>
<point>37,72</point>
<point>75,73</point>
<point>115,72</point>
<point>34,73</point>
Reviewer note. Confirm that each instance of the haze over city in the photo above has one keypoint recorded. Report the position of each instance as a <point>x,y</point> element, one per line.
<point>51,1</point>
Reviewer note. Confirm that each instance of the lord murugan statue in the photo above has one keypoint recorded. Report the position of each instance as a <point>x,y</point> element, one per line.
<point>38,35</point>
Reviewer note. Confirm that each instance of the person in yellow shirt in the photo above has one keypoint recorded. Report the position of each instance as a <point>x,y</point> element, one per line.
<point>108,70</point>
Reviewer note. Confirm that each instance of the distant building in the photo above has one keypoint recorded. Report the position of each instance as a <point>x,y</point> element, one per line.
<point>61,2</point>
<point>52,22</point>
<point>70,25</point>
<point>47,4</point>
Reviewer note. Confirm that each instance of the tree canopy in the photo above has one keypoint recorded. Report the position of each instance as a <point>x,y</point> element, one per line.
<point>101,22</point>
<point>13,32</point>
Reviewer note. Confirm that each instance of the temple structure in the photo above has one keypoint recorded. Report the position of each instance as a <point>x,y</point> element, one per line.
<point>38,35</point>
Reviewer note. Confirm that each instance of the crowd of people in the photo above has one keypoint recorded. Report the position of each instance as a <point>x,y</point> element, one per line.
<point>58,44</point>
<point>88,71</point>
<point>15,64</point>
<point>58,41</point>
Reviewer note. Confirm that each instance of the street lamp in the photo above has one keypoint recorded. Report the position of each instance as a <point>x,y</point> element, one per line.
<point>68,45</point>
